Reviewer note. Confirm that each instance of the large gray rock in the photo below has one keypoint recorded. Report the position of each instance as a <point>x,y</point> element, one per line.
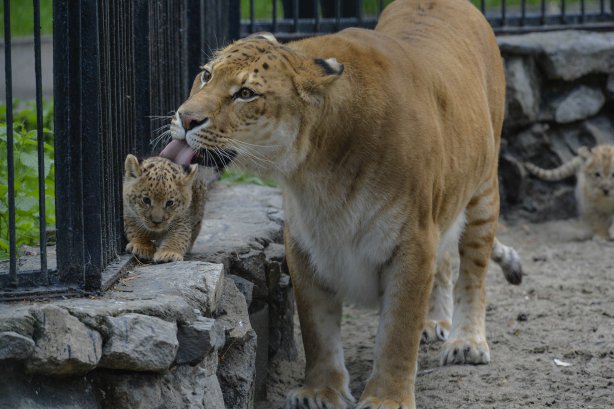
<point>237,368</point>
<point>581,103</point>
<point>566,55</point>
<point>198,339</point>
<point>140,343</point>
<point>64,346</point>
<point>197,282</point>
<point>190,387</point>
<point>15,346</point>
<point>15,318</point>
<point>523,91</point>
<point>237,372</point>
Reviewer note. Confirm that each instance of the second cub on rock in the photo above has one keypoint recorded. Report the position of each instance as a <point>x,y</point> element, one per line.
<point>163,208</point>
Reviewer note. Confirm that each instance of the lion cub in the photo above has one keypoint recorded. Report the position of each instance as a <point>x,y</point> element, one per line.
<point>163,208</point>
<point>594,169</point>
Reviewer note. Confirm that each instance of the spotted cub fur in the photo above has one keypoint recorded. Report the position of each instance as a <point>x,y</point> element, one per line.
<point>594,169</point>
<point>163,208</point>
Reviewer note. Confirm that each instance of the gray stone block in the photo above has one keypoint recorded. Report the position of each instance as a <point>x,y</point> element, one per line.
<point>567,54</point>
<point>523,91</point>
<point>581,103</point>
<point>139,343</point>
<point>17,319</point>
<point>237,372</point>
<point>64,346</point>
<point>15,346</point>
<point>198,339</point>
<point>245,286</point>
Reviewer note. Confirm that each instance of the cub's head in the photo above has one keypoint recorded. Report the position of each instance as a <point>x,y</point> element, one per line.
<point>157,190</point>
<point>251,103</point>
<point>598,172</point>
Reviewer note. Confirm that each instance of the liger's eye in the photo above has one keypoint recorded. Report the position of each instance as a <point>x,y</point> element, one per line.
<point>245,93</point>
<point>597,174</point>
<point>169,203</point>
<point>205,76</point>
<point>146,200</point>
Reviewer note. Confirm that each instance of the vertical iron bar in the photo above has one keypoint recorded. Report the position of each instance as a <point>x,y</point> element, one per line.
<point>523,12</point>
<point>359,11</point>
<point>275,15</point>
<point>381,6</point>
<point>602,7</point>
<point>582,10</point>
<point>483,6</point>
<point>295,16</point>
<point>337,15</point>
<point>9,141</point>
<point>562,11</point>
<point>543,12</point>
<point>41,141</point>
<point>316,16</point>
<point>252,17</point>
<point>503,12</point>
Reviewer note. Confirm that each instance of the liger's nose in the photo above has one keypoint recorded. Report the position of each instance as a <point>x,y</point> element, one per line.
<point>189,120</point>
<point>606,191</point>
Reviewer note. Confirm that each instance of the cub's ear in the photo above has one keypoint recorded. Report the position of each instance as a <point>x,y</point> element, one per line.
<point>585,152</point>
<point>132,167</point>
<point>190,174</point>
<point>263,35</point>
<point>316,76</point>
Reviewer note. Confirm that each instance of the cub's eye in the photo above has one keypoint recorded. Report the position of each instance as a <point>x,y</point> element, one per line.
<point>169,203</point>
<point>597,174</point>
<point>205,76</point>
<point>245,93</point>
<point>146,200</point>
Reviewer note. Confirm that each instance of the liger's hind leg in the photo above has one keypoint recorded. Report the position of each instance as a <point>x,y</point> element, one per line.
<point>439,317</point>
<point>467,342</point>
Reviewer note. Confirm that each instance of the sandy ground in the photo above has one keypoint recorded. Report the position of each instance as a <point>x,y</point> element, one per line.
<point>564,310</point>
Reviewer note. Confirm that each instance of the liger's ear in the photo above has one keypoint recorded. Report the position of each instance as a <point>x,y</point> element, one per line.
<point>264,36</point>
<point>191,172</point>
<point>132,167</point>
<point>318,74</point>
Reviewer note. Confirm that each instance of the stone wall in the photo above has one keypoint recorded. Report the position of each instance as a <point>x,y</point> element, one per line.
<point>560,96</point>
<point>194,334</point>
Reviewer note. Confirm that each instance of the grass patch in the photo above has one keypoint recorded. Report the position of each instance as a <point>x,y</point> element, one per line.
<point>22,17</point>
<point>26,174</point>
<point>238,176</point>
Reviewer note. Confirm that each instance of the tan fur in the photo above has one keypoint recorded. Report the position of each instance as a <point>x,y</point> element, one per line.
<point>594,170</point>
<point>386,144</point>
<point>176,201</point>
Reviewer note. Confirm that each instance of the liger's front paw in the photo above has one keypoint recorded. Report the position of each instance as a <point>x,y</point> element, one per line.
<point>468,350</point>
<point>318,398</point>
<point>142,250</point>
<point>377,403</point>
<point>435,331</point>
<point>165,256</point>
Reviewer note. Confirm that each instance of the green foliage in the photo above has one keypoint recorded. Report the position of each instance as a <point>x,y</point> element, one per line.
<point>25,148</point>
<point>263,9</point>
<point>22,17</point>
<point>237,176</point>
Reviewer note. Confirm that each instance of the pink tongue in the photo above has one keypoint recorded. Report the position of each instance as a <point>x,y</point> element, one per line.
<point>179,152</point>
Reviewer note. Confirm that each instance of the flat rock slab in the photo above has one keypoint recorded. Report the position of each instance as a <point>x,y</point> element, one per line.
<point>239,218</point>
<point>566,55</point>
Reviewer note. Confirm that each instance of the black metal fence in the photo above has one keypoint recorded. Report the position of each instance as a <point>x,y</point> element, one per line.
<point>293,19</point>
<point>120,68</point>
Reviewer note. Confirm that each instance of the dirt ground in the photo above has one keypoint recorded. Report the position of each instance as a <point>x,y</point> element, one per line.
<point>564,310</point>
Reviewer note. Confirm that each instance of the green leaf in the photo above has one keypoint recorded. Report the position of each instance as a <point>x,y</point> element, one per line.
<point>29,160</point>
<point>26,204</point>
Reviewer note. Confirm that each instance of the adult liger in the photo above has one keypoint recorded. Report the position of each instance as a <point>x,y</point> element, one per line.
<point>385,142</point>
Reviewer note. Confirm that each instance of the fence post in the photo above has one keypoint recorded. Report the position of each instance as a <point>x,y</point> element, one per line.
<point>77,147</point>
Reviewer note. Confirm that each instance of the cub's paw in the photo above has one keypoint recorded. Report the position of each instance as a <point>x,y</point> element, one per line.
<point>316,398</point>
<point>470,350</point>
<point>435,331</point>
<point>142,250</point>
<point>376,403</point>
<point>165,256</point>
